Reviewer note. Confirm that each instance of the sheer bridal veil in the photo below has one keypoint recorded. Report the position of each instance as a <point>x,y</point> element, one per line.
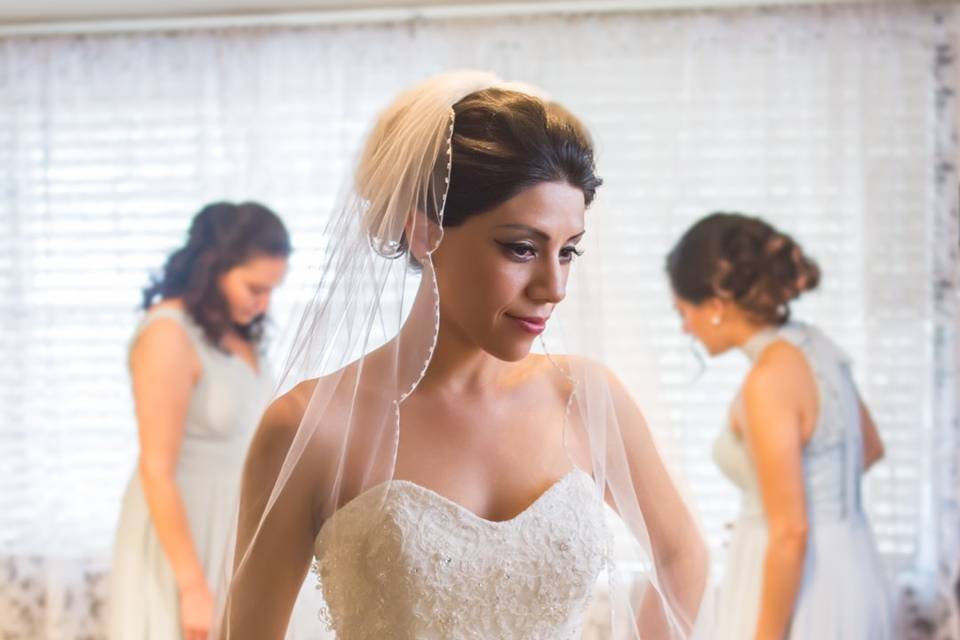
<point>365,342</point>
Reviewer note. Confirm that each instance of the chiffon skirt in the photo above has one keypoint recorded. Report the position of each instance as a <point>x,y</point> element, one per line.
<point>843,594</point>
<point>144,600</point>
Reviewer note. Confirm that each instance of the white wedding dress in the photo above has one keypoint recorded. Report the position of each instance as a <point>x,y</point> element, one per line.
<point>405,562</point>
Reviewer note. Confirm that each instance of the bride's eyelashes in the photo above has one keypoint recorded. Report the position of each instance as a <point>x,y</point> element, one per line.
<point>525,251</point>
<point>518,251</point>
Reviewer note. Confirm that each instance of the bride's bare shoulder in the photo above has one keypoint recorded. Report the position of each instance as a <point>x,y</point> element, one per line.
<point>336,392</point>
<point>287,410</point>
<point>281,420</point>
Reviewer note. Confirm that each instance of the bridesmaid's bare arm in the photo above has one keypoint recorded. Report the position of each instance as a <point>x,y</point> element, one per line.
<point>164,369</point>
<point>873,449</point>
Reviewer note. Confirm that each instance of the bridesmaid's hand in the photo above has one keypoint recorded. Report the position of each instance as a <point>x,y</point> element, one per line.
<point>196,612</point>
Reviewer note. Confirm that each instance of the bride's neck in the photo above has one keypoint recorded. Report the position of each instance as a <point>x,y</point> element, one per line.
<point>456,364</point>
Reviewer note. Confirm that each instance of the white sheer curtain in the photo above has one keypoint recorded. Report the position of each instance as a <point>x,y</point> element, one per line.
<point>836,123</point>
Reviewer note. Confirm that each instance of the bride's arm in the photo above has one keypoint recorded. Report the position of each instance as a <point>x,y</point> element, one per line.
<point>271,557</point>
<point>664,521</point>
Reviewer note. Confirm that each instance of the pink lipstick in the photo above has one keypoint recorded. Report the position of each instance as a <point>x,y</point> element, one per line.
<point>532,324</point>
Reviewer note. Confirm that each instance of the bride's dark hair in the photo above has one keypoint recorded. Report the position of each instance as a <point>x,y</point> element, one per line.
<point>506,141</point>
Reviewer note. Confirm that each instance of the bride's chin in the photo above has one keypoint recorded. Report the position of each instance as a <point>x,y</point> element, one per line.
<point>511,352</point>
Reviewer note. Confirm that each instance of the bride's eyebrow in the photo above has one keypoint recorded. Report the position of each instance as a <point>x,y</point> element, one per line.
<point>542,235</point>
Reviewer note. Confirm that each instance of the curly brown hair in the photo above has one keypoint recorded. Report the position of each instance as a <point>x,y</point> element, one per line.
<point>222,236</point>
<point>744,259</point>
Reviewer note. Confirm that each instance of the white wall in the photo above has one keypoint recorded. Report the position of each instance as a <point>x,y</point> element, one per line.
<point>21,12</point>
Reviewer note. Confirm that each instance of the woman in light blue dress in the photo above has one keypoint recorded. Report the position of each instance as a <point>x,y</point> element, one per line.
<point>802,563</point>
<point>199,387</point>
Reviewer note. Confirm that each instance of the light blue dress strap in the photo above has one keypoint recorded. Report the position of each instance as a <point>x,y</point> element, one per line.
<point>200,344</point>
<point>157,313</point>
<point>825,344</point>
<point>759,342</point>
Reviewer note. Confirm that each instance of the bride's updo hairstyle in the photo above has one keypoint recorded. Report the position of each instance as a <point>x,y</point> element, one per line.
<point>743,259</point>
<point>502,142</point>
<point>506,141</point>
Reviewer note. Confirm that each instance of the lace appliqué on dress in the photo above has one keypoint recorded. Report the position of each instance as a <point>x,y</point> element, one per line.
<point>428,568</point>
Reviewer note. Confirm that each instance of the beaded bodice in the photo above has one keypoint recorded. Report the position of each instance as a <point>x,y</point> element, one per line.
<point>401,561</point>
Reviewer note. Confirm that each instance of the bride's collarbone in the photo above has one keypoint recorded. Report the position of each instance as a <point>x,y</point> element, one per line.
<point>489,495</point>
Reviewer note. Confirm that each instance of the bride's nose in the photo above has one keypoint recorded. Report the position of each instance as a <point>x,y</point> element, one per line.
<point>549,283</point>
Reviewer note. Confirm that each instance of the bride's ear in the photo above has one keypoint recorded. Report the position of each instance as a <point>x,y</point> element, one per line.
<point>422,235</point>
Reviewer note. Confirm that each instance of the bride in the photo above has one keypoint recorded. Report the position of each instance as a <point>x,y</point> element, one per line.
<point>443,480</point>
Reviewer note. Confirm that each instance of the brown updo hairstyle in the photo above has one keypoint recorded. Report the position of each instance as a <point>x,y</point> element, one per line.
<point>503,142</point>
<point>506,141</point>
<point>222,236</point>
<point>743,259</point>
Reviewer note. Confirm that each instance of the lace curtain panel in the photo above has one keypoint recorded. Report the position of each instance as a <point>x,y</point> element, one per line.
<point>836,123</point>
